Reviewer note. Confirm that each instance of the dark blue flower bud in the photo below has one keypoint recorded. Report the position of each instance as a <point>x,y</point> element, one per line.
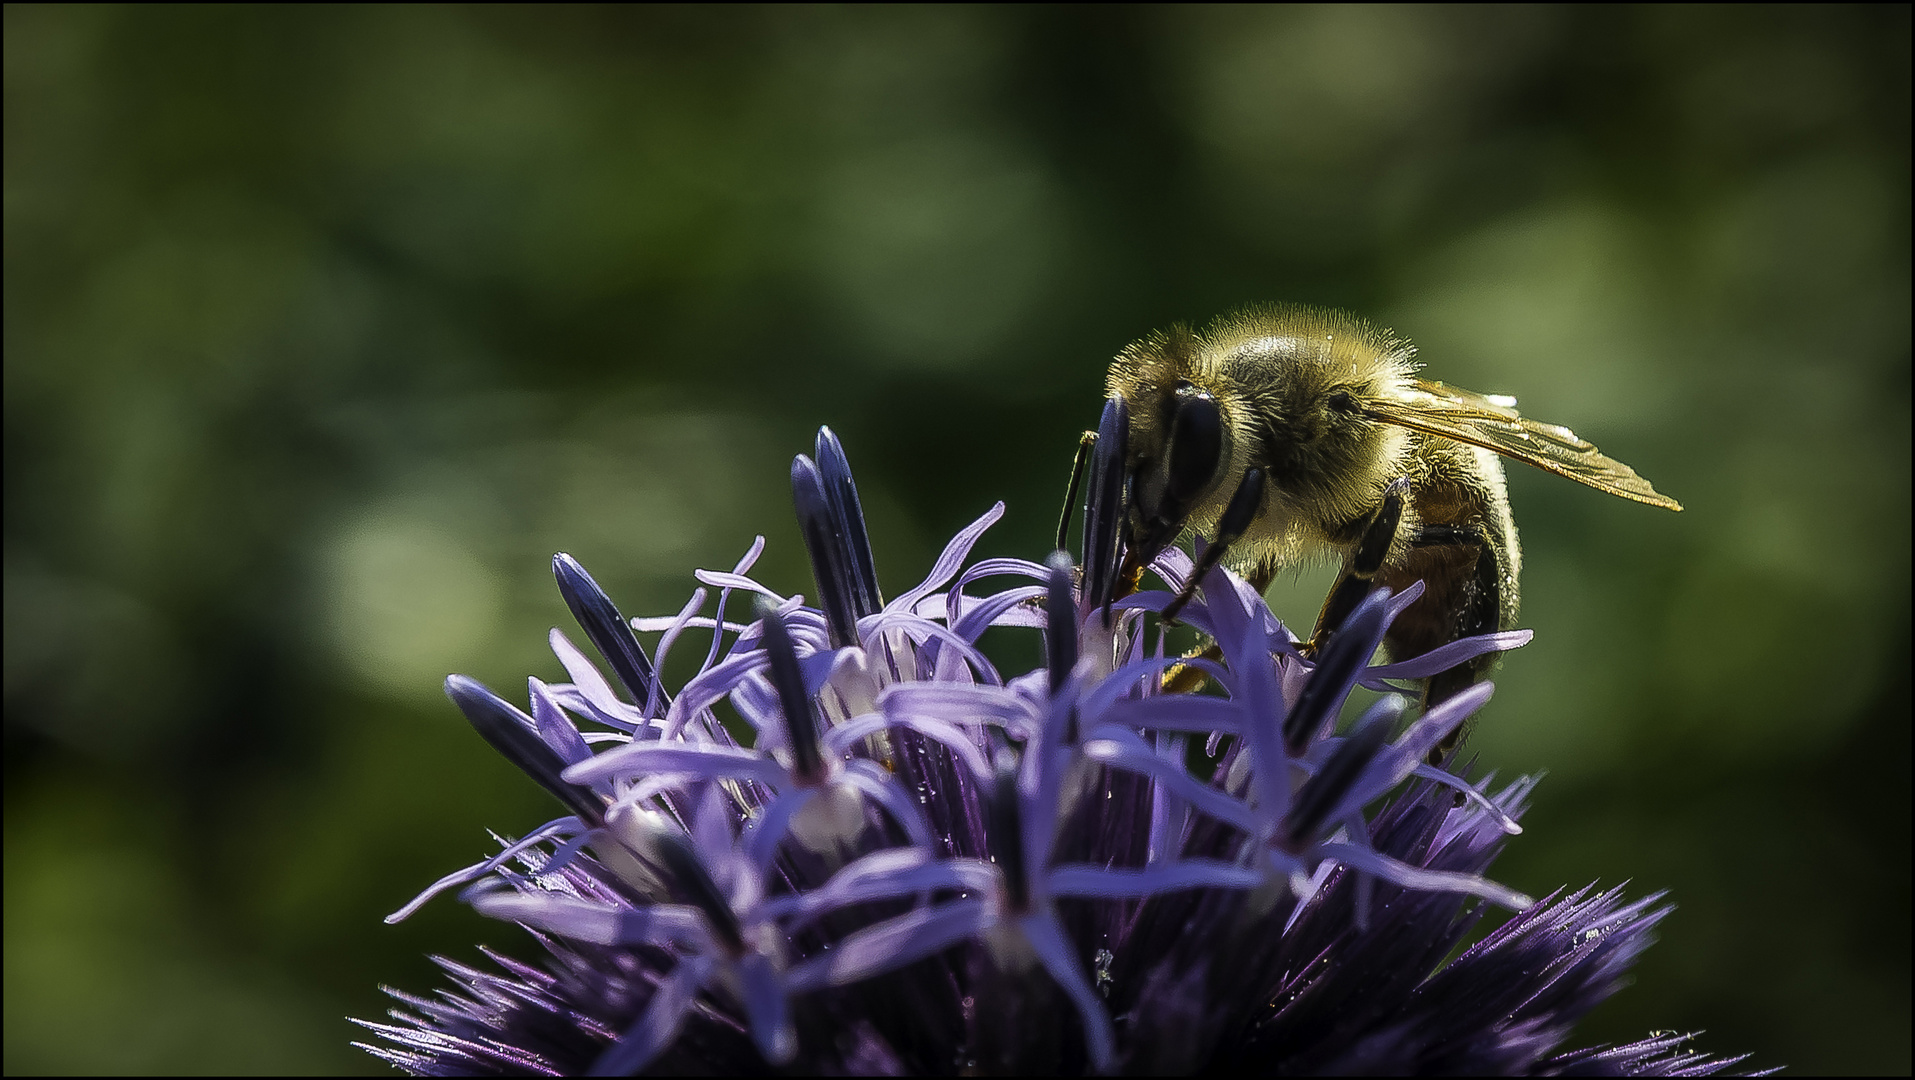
<point>848,514</point>
<point>610,633</point>
<point>1004,832</point>
<point>514,734</point>
<point>830,562</point>
<point>1337,668</point>
<point>1104,513</point>
<point>801,723</point>
<point>1060,626</point>
<point>1315,803</point>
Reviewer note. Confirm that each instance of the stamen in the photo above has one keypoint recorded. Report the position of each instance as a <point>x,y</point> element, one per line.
<point>1338,666</point>
<point>1004,832</point>
<point>801,724</point>
<point>609,631</point>
<point>818,521</point>
<point>513,734</point>
<point>1323,793</point>
<point>1060,622</point>
<point>854,542</point>
<point>1104,513</point>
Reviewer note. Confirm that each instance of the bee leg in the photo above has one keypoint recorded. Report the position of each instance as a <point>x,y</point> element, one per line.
<point>1481,614</point>
<point>1084,444</point>
<point>1358,578</point>
<point>1188,678</point>
<point>1237,517</point>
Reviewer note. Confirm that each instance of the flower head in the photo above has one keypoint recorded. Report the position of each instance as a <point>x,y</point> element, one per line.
<point>913,863</point>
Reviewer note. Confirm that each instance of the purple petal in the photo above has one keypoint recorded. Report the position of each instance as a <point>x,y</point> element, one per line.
<point>984,613</point>
<point>984,568</point>
<point>1445,657</point>
<point>591,684</point>
<point>665,646</point>
<point>1411,877</point>
<point>659,1025</point>
<point>719,579</point>
<point>818,667</point>
<point>660,924</point>
<point>892,944</point>
<point>1123,749</point>
<point>771,826</point>
<point>548,831</point>
<point>1246,647</point>
<point>924,629</point>
<point>1123,681</point>
<point>708,762</point>
<point>1196,614</point>
<point>1473,793</point>
<point>893,873</point>
<point>952,737</point>
<point>1174,566</point>
<point>1114,884</point>
<point>966,702</point>
<point>1176,712</point>
<point>1054,951</point>
<point>555,728</point>
<point>839,739</point>
<point>709,687</point>
<point>950,561</point>
<point>767,1009</point>
<point>1401,601</point>
<point>878,786</point>
<point>1415,743</point>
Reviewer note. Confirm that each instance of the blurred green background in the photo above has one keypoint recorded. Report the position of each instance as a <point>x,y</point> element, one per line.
<point>325,328</point>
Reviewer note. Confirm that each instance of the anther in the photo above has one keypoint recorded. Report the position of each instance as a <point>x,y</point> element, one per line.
<point>829,562</point>
<point>1338,666</point>
<point>513,734</point>
<point>801,724</point>
<point>1320,797</point>
<point>601,621</point>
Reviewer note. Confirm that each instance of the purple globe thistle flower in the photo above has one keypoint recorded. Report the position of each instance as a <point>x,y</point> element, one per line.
<point>919,865</point>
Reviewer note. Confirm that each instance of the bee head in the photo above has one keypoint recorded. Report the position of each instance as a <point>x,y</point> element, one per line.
<point>1307,376</point>
<point>1281,388</point>
<point>1180,436</point>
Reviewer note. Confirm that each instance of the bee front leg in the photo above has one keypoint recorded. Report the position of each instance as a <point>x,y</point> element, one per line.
<point>1084,444</point>
<point>1243,509</point>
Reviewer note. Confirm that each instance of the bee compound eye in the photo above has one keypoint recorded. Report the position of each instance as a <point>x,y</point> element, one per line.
<point>1195,446</point>
<point>1342,401</point>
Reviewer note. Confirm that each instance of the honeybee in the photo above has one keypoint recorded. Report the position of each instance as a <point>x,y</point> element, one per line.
<point>1285,432</point>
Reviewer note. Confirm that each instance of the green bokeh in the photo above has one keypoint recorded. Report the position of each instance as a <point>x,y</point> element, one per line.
<point>325,328</point>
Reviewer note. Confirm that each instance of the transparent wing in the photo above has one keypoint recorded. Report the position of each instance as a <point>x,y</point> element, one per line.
<point>1435,409</point>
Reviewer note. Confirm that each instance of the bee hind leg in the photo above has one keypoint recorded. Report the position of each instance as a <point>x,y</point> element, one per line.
<point>1480,614</point>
